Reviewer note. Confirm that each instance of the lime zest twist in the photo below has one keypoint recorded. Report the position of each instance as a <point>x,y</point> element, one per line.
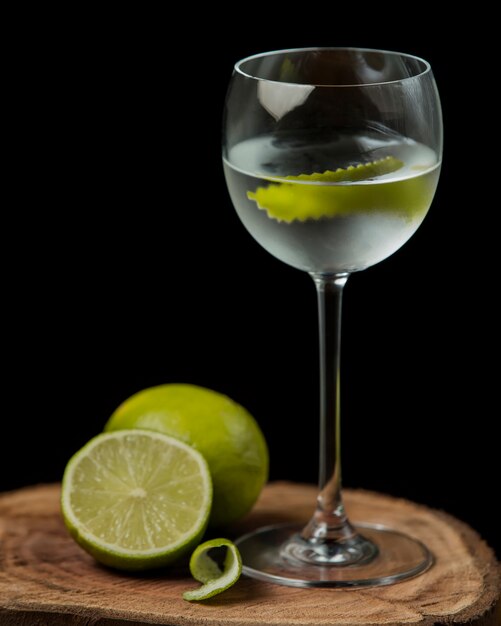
<point>204,569</point>
<point>287,201</point>
<point>353,173</point>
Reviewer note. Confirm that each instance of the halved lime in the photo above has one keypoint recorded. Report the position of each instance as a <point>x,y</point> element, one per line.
<point>136,499</point>
<point>207,571</point>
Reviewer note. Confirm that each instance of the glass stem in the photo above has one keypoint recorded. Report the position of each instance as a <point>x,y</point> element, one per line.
<point>329,522</point>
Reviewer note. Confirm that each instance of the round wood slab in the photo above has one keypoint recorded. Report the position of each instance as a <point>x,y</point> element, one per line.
<point>47,580</point>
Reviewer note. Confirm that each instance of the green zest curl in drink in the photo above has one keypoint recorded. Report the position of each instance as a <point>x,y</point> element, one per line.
<point>324,195</point>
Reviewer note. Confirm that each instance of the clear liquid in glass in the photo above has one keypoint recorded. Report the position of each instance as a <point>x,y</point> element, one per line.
<point>365,221</point>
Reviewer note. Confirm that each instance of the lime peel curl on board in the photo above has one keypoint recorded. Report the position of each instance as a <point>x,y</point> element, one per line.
<point>204,569</point>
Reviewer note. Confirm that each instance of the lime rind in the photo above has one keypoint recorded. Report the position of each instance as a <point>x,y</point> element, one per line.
<point>107,502</point>
<point>288,201</point>
<point>204,569</point>
<point>353,173</point>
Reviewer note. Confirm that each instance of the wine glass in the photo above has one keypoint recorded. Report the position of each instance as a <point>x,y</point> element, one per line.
<point>332,158</point>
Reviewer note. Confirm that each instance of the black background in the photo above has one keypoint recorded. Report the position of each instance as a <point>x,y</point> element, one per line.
<point>127,266</point>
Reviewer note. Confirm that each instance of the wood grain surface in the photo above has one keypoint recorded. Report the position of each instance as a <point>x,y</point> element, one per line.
<point>47,580</point>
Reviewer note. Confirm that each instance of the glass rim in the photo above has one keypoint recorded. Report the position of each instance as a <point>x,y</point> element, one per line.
<point>427,67</point>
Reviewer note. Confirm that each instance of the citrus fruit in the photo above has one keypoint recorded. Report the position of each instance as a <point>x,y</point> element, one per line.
<point>136,499</point>
<point>206,570</point>
<point>222,430</point>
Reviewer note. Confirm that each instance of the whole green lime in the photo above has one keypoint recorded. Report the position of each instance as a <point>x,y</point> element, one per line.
<point>223,431</point>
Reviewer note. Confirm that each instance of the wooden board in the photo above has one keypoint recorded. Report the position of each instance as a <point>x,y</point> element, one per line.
<point>47,580</point>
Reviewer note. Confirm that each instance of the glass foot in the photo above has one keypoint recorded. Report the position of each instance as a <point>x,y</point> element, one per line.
<point>279,554</point>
